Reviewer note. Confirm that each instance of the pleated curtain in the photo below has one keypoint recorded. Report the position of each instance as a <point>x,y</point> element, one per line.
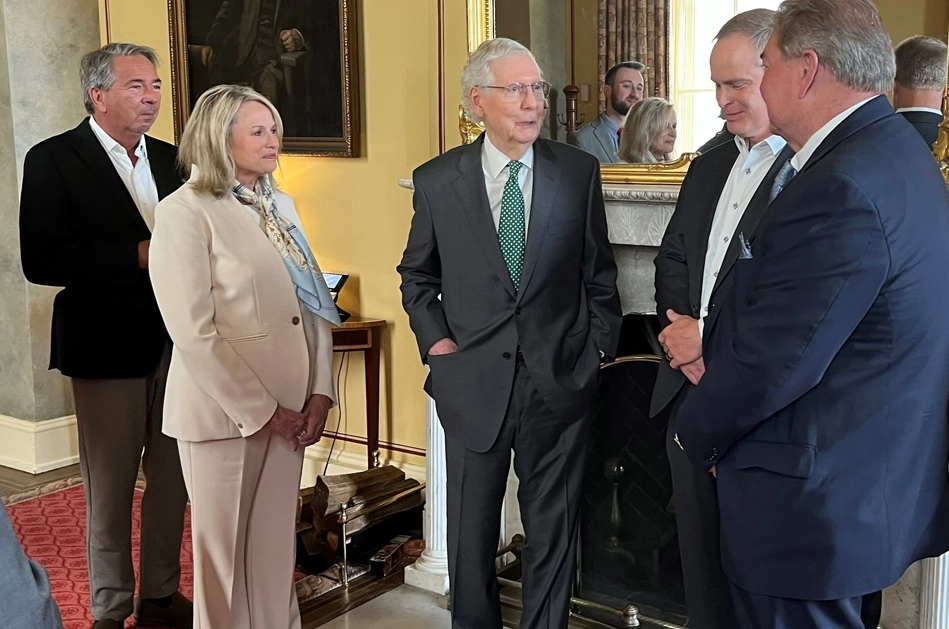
<point>636,30</point>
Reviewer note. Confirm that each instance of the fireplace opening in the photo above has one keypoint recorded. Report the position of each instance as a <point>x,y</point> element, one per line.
<point>629,550</point>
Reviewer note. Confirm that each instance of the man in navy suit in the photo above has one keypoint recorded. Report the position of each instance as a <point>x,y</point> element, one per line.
<point>823,410</point>
<point>920,84</point>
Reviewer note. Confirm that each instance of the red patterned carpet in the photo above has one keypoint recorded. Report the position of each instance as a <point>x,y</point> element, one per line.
<point>52,529</point>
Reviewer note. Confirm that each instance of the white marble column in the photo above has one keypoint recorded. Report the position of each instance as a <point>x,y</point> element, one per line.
<point>430,572</point>
<point>934,593</point>
<point>41,43</point>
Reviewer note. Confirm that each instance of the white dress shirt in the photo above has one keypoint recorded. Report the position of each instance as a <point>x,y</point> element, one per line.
<point>494,164</point>
<point>800,158</point>
<point>138,179</point>
<point>924,109</point>
<point>746,175</point>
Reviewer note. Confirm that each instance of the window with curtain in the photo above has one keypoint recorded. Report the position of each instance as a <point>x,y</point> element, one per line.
<point>694,24</point>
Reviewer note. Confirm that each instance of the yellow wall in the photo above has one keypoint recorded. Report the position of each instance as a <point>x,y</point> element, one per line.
<point>354,213</point>
<point>586,15</point>
<point>905,18</point>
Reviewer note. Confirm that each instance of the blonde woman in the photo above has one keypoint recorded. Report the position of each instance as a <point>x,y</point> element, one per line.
<point>250,380</point>
<point>649,134</point>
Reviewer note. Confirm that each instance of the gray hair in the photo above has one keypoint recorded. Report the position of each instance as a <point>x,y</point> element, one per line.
<point>96,70</point>
<point>645,121</point>
<point>206,140</point>
<point>478,69</point>
<point>756,23</point>
<point>847,35</point>
<point>921,63</point>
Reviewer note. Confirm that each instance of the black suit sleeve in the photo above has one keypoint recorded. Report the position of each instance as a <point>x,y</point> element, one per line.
<point>51,251</point>
<point>225,23</point>
<point>821,268</point>
<point>421,273</point>
<point>599,273</point>
<point>672,267</point>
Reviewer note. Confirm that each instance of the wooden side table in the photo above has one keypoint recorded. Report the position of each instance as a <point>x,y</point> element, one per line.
<point>363,335</point>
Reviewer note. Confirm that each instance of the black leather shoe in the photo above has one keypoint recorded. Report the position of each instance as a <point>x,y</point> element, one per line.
<point>108,623</point>
<point>179,614</point>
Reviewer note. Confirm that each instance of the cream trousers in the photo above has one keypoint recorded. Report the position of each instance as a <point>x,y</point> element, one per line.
<point>243,511</point>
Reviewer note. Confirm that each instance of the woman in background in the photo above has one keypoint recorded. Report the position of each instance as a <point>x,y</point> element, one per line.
<point>649,134</point>
<point>250,382</point>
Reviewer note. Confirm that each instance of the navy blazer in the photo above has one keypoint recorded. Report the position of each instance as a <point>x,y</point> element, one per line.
<point>824,404</point>
<point>926,123</point>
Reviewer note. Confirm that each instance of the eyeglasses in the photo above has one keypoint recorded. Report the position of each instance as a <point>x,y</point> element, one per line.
<point>517,91</point>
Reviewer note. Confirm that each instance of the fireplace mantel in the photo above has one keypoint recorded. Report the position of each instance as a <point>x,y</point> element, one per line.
<point>637,217</point>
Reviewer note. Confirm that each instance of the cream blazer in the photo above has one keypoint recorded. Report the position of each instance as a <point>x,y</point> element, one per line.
<point>242,342</point>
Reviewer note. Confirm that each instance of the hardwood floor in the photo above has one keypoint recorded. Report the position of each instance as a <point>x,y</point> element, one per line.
<point>14,482</point>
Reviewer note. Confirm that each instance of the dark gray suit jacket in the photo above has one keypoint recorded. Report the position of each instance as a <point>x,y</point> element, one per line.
<point>455,284</point>
<point>926,122</point>
<point>595,138</point>
<point>680,263</point>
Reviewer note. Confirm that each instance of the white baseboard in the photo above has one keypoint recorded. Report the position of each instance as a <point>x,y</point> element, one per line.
<point>40,446</point>
<point>348,461</point>
<point>37,447</point>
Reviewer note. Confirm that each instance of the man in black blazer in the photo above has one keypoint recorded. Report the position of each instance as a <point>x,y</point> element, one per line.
<point>86,212</point>
<point>920,84</point>
<point>823,410</point>
<point>693,270</point>
<point>510,286</point>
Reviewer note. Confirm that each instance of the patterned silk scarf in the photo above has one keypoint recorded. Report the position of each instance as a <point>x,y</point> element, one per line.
<point>292,246</point>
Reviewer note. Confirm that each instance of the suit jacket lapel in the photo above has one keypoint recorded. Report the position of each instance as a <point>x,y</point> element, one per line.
<point>547,177</point>
<point>166,175</point>
<point>755,211</point>
<point>112,186</point>
<point>471,191</point>
<point>716,178</point>
<point>866,115</point>
<point>602,134</point>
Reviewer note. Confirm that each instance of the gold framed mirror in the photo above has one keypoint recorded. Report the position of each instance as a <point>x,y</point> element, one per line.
<point>482,16</point>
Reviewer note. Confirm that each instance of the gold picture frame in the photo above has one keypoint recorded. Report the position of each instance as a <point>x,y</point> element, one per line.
<point>318,100</point>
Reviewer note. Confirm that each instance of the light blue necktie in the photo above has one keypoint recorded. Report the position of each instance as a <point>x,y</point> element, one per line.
<point>292,246</point>
<point>785,175</point>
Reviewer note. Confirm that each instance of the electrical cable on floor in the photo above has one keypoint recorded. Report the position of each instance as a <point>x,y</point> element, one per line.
<point>339,417</point>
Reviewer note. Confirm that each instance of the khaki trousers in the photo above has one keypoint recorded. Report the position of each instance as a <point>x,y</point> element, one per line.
<point>119,425</point>
<point>243,524</point>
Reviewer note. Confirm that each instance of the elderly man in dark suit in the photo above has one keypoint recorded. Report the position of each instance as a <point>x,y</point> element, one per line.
<point>86,214</point>
<point>920,84</point>
<point>823,408</point>
<point>509,283</point>
<point>694,268</point>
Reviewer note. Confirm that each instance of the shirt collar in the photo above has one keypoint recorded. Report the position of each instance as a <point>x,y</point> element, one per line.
<point>773,142</point>
<point>494,161</point>
<point>110,145</point>
<point>800,158</point>
<point>611,124</point>
<point>926,109</point>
